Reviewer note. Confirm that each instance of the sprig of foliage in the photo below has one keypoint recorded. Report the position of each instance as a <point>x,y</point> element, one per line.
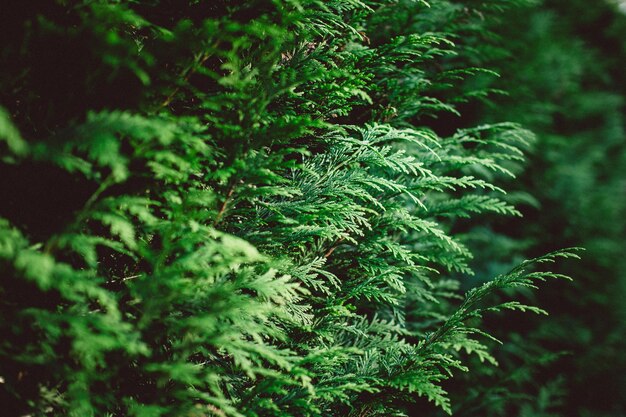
<point>259,221</point>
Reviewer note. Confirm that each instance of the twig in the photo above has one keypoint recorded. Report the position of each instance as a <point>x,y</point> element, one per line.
<point>331,250</point>
<point>106,183</point>
<point>122,279</point>
<point>223,208</point>
<point>188,73</point>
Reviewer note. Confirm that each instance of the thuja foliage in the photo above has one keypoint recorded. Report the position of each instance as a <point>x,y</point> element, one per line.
<point>561,67</point>
<point>562,64</point>
<point>237,209</point>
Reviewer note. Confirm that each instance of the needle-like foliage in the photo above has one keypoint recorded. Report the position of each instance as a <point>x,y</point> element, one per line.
<point>237,209</point>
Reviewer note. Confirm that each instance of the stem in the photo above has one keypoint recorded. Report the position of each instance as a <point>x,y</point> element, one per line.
<point>224,205</point>
<point>54,239</point>
<point>331,250</point>
<point>108,181</point>
<point>187,73</point>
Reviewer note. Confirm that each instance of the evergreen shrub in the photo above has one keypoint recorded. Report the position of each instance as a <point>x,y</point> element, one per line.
<point>239,208</point>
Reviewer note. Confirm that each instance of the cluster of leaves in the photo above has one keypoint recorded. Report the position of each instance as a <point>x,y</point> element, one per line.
<point>574,98</point>
<point>238,209</point>
<point>561,63</point>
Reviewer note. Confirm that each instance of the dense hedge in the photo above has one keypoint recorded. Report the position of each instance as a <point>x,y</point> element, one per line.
<point>245,208</point>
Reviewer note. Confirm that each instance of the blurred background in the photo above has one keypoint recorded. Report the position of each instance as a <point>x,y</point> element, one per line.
<point>563,66</point>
